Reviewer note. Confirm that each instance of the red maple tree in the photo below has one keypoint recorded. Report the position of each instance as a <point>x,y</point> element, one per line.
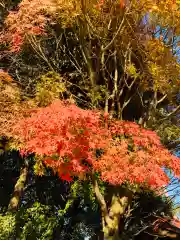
<point>73,141</point>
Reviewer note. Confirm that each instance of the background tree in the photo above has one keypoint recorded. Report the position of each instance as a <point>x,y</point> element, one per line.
<point>129,57</point>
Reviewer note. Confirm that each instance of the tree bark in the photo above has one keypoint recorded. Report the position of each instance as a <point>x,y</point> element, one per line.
<point>117,210</point>
<point>112,215</point>
<point>18,190</point>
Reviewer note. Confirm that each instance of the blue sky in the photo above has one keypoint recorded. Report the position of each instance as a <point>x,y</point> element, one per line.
<point>174,189</point>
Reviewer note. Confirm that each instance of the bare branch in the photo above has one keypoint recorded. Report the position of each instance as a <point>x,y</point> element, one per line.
<point>162,99</point>
<point>115,35</point>
<point>171,113</point>
<point>37,48</point>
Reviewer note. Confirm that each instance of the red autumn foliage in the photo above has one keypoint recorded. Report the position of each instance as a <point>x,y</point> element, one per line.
<point>30,18</point>
<point>136,157</point>
<point>67,137</point>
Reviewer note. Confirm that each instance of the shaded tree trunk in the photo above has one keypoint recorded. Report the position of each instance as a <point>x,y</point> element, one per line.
<point>18,190</point>
<point>112,215</point>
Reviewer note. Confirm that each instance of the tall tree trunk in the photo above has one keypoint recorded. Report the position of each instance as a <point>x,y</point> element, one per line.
<point>18,190</point>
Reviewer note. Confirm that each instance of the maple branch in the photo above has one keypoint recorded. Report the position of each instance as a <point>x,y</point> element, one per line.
<point>115,35</point>
<point>74,61</point>
<point>107,97</point>
<point>126,102</point>
<point>99,196</point>
<point>115,89</point>
<point>119,28</point>
<point>2,4</point>
<point>119,203</point>
<point>37,48</point>
<point>174,111</point>
<point>107,221</point>
<point>142,229</point>
<point>86,53</point>
<point>162,99</point>
<point>170,114</point>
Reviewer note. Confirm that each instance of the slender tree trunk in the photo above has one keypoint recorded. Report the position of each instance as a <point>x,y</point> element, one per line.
<point>18,190</point>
